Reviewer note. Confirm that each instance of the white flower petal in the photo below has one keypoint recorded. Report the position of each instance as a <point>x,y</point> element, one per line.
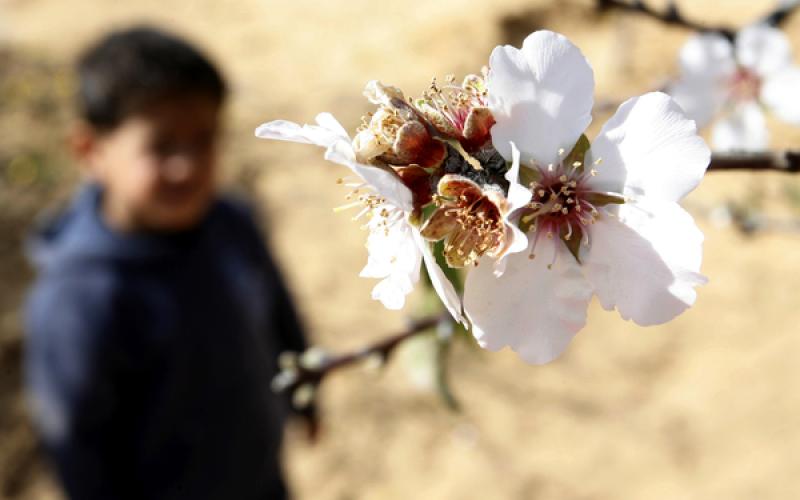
<point>743,129</point>
<point>540,96</point>
<point>394,257</point>
<point>385,182</point>
<point>707,56</point>
<point>282,130</point>
<point>392,292</point>
<point>645,262</point>
<point>441,284</point>
<point>518,197</point>
<point>330,123</point>
<point>534,310</point>
<point>701,100</point>
<point>327,131</point>
<point>394,253</point>
<point>330,134</point>
<point>378,93</point>
<point>649,148</point>
<point>391,250</point>
<point>519,241</point>
<point>763,49</point>
<point>781,93</point>
<point>707,65</point>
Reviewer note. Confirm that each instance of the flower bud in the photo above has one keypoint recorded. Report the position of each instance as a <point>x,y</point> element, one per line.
<point>283,380</point>
<point>313,358</point>
<point>287,360</point>
<point>303,396</point>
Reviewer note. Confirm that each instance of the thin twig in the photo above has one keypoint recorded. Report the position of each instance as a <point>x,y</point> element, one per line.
<point>312,372</point>
<point>742,217</point>
<point>779,15</point>
<point>779,161</point>
<point>672,15</point>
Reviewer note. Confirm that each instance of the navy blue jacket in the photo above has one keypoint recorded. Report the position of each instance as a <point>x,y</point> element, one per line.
<point>149,357</point>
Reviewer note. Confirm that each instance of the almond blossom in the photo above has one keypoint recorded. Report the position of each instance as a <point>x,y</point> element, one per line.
<point>601,220</point>
<point>734,81</point>
<point>499,170</point>
<point>395,246</point>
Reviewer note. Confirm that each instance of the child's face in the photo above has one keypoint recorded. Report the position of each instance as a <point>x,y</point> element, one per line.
<point>157,167</point>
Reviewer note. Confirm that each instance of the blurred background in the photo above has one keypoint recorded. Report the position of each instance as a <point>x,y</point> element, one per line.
<point>704,407</point>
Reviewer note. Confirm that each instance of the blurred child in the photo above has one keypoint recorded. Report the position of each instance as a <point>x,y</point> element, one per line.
<point>158,315</point>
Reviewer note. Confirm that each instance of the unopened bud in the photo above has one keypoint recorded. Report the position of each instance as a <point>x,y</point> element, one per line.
<point>287,360</point>
<point>283,380</point>
<point>374,362</point>
<point>313,358</point>
<point>303,396</point>
<point>444,329</point>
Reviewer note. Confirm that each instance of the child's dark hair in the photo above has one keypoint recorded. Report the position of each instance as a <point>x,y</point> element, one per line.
<point>126,71</point>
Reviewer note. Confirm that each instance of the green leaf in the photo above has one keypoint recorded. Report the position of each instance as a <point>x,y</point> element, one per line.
<point>427,211</point>
<point>443,345</point>
<point>421,215</point>
<point>602,199</point>
<point>452,274</point>
<point>577,157</point>
<point>573,244</point>
<point>526,222</point>
<point>528,175</point>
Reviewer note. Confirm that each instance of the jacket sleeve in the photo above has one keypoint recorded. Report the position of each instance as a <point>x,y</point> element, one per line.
<point>285,327</point>
<point>285,330</point>
<point>287,324</point>
<point>290,333</point>
<point>71,387</point>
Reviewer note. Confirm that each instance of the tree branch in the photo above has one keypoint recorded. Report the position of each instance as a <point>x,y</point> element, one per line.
<point>779,15</point>
<point>310,368</point>
<point>673,16</point>
<point>301,373</point>
<point>780,161</point>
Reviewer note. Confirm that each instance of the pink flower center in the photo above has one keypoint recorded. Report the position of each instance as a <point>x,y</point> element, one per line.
<point>744,85</point>
<point>560,206</point>
<point>564,205</point>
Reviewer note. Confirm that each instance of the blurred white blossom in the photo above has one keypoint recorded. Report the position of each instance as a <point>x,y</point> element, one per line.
<point>733,83</point>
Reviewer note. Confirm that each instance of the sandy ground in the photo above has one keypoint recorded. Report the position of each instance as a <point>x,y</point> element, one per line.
<point>706,407</point>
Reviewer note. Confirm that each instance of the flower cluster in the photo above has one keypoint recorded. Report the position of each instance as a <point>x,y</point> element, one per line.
<point>733,82</point>
<point>499,170</point>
